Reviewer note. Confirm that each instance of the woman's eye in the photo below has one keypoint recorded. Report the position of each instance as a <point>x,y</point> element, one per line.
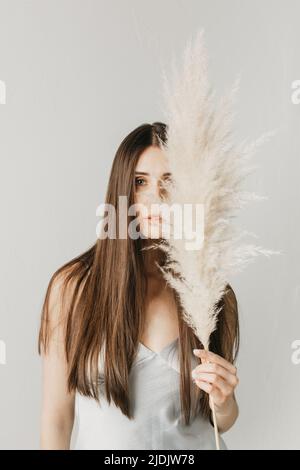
<point>166,181</point>
<point>138,180</point>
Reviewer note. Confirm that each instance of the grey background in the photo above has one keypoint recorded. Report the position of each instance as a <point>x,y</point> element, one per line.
<point>82,74</point>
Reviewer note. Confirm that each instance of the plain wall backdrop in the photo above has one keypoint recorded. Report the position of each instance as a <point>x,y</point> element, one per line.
<point>79,76</point>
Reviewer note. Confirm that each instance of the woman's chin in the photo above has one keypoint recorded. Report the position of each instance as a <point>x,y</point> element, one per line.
<point>153,234</point>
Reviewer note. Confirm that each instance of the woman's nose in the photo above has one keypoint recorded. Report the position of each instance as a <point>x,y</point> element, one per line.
<point>154,195</point>
<point>151,201</point>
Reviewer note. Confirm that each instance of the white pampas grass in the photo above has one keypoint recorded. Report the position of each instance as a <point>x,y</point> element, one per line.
<point>207,168</point>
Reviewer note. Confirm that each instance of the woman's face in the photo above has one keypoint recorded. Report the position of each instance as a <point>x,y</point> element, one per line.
<point>150,171</point>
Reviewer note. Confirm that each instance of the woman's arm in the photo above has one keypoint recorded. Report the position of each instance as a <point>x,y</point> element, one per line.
<point>228,416</point>
<point>57,414</point>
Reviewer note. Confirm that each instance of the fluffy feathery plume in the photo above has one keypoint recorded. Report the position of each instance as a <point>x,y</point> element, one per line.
<point>207,168</point>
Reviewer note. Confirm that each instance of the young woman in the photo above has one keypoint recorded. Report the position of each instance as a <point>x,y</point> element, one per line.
<point>116,352</point>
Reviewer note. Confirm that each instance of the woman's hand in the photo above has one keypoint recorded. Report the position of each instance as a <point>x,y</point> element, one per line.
<point>218,378</point>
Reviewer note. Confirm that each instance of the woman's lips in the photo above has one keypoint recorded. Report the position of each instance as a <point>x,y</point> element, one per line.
<point>154,218</point>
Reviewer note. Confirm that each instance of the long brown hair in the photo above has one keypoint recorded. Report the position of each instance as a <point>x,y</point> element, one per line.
<point>102,292</point>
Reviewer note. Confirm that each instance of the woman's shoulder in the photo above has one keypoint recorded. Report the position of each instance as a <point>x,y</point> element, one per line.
<point>62,293</point>
<point>71,274</point>
<point>63,282</point>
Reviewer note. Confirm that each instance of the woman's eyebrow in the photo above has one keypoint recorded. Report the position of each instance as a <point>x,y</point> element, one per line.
<point>147,174</point>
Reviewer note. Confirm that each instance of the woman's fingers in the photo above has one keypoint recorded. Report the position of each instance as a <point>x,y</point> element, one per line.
<point>215,393</point>
<point>216,376</point>
<point>215,381</point>
<point>214,370</point>
<point>209,356</point>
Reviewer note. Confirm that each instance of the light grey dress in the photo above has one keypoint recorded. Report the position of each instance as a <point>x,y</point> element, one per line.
<point>154,388</point>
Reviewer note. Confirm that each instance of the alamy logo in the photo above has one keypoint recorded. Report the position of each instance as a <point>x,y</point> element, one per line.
<point>2,352</point>
<point>2,92</point>
<point>295,97</point>
<point>296,354</point>
<point>180,221</point>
